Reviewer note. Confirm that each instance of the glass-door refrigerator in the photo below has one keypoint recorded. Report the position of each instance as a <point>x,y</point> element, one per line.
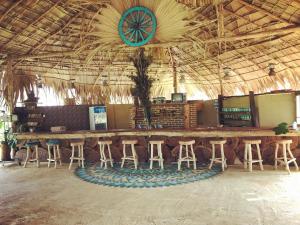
<point>98,118</point>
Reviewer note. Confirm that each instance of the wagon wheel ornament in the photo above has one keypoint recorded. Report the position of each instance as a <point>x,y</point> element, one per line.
<point>137,26</point>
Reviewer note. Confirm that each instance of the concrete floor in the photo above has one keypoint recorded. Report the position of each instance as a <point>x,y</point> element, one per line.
<point>48,196</point>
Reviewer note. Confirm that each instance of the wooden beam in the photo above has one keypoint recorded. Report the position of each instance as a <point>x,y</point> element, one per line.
<point>173,63</point>
<point>264,11</point>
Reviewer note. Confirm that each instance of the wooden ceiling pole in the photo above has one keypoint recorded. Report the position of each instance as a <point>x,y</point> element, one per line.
<point>220,17</point>
<point>173,63</point>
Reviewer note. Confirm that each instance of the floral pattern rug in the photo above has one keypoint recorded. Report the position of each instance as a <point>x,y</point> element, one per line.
<point>128,177</point>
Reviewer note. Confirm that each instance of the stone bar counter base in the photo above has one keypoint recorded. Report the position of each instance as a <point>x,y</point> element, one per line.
<point>234,148</point>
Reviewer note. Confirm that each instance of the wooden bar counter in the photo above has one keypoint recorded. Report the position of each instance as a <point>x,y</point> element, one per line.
<point>234,147</point>
<point>198,132</point>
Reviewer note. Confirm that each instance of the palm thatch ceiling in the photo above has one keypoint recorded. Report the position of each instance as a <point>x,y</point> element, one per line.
<point>48,38</point>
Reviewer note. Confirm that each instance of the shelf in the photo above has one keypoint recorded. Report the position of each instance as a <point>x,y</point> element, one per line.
<point>235,112</point>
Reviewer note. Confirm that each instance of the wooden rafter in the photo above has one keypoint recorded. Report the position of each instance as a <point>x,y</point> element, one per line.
<point>266,12</point>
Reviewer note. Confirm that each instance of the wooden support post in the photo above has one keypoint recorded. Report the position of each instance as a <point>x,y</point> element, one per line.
<point>175,84</point>
<point>10,101</point>
<point>254,114</point>
<point>220,109</point>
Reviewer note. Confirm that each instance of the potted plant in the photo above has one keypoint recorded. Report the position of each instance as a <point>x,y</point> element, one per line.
<point>3,145</point>
<point>281,128</point>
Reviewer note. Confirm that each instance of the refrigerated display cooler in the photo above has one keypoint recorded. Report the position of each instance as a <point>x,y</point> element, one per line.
<point>98,118</point>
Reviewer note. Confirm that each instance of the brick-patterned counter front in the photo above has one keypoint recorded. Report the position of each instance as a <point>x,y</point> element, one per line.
<point>169,115</point>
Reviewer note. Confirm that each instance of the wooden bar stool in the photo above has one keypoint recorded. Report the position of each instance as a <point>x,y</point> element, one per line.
<point>221,160</point>
<point>159,156</point>
<point>189,154</point>
<point>103,158</point>
<point>248,154</point>
<point>80,158</point>
<point>35,146</point>
<point>285,160</point>
<point>133,157</point>
<point>53,144</point>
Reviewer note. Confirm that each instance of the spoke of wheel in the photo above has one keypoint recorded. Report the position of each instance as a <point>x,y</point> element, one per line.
<point>128,31</point>
<point>141,35</point>
<point>145,31</point>
<point>130,38</point>
<point>143,17</point>
<point>147,21</point>
<point>132,17</point>
<point>128,21</point>
<point>137,16</point>
<point>146,25</point>
<point>136,36</point>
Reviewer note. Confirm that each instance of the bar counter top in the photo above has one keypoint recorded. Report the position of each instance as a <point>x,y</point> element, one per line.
<point>197,132</point>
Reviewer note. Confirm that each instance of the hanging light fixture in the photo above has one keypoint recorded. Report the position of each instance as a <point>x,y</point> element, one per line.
<point>227,71</point>
<point>182,79</point>
<point>39,82</point>
<point>272,72</point>
<point>72,86</point>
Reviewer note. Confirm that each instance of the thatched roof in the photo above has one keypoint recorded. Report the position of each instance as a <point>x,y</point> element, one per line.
<point>49,38</point>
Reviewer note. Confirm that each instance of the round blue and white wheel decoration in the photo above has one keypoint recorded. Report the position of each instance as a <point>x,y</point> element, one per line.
<point>137,26</point>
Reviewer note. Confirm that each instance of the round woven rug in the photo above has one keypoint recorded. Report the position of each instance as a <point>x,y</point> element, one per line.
<point>144,177</point>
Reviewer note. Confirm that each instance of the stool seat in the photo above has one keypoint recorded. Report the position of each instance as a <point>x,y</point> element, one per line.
<point>53,142</point>
<point>76,143</point>
<point>189,154</point>
<point>105,142</point>
<point>285,160</point>
<point>248,160</point>
<point>252,142</point>
<point>104,159</point>
<point>284,141</point>
<point>221,159</point>
<point>187,142</point>
<point>159,156</point>
<point>32,143</point>
<point>129,142</point>
<point>218,142</point>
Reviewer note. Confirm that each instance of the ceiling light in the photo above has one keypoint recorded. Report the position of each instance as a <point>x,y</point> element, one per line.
<point>272,72</point>
<point>227,71</point>
<point>182,79</point>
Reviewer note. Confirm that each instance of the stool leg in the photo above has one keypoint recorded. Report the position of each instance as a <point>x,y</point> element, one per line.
<point>79,155</point>
<point>55,156</point>
<point>250,157</point>
<point>58,153</point>
<point>246,156</point>
<point>292,156</point>
<point>124,155</point>
<point>161,159</point>
<point>101,155</point>
<point>187,155</point>
<point>194,157</point>
<point>49,156</point>
<point>285,158</point>
<point>27,156</point>
<point>223,157</point>
<point>213,156</point>
<point>135,160</point>
<point>72,157</point>
<point>151,156</point>
<point>82,156</point>
<point>110,158</point>
<point>37,156</point>
<point>259,157</point>
<point>104,157</point>
<point>180,157</point>
<point>276,156</point>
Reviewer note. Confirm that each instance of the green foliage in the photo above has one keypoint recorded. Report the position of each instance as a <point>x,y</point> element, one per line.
<point>281,128</point>
<point>143,82</point>
<point>9,138</point>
